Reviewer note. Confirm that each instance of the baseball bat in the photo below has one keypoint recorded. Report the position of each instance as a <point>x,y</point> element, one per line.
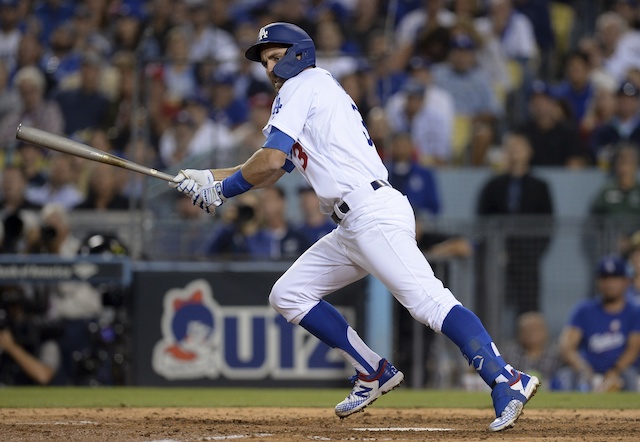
<point>46,139</point>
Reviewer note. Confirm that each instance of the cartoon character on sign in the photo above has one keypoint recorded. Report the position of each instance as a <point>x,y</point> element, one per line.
<point>189,338</point>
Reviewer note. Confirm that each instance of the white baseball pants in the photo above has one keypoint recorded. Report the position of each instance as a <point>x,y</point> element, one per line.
<point>376,236</point>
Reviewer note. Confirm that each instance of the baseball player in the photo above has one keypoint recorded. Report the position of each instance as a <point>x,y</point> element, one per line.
<point>316,128</point>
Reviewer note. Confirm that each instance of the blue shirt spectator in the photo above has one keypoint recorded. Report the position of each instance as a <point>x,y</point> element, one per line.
<point>409,177</point>
<point>315,224</point>
<point>94,104</point>
<point>52,14</point>
<point>601,340</point>
<point>604,334</point>
<point>468,84</point>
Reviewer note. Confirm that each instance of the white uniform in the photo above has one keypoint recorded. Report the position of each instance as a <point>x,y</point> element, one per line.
<point>377,235</point>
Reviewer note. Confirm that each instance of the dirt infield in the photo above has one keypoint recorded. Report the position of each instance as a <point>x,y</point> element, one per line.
<point>285,424</point>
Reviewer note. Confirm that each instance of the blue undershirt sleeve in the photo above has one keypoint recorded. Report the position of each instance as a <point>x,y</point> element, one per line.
<point>281,141</point>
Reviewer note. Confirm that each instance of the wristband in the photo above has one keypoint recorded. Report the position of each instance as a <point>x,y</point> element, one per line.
<point>235,185</point>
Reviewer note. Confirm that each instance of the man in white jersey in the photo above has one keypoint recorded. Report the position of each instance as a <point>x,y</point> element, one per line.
<point>316,128</point>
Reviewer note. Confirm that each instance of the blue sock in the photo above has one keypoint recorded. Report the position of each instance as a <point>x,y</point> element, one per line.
<point>327,324</point>
<point>464,328</point>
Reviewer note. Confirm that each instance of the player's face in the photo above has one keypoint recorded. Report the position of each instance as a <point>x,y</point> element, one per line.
<point>270,56</point>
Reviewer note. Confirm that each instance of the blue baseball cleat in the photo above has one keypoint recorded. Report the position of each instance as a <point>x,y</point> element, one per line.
<point>509,399</point>
<point>368,388</point>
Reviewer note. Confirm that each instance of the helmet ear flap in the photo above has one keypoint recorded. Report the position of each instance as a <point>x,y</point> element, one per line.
<point>289,65</point>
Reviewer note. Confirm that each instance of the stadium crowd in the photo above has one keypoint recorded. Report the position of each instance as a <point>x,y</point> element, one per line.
<point>441,84</point>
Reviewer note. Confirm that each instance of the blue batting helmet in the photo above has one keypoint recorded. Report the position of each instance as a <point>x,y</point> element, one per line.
<point>299,42</point>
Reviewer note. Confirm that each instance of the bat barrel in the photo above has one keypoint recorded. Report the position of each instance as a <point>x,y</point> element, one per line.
<point>46,139</point>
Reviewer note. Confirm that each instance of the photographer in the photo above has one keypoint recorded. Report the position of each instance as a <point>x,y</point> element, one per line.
<point>28,352</point>
<point>239,222</point>
<point>75,303</point>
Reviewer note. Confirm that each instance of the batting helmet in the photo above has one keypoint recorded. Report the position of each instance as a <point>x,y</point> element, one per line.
<point>299,42</point>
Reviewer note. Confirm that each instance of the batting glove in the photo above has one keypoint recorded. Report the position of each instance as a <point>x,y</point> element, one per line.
<point>189,181</point>
<point>209,197</point>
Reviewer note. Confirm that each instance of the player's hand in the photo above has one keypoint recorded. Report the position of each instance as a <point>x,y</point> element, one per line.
<point>209,197</point>
<point>189,181</point>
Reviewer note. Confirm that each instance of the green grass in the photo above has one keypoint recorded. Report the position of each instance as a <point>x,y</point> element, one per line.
<point>37,397</point>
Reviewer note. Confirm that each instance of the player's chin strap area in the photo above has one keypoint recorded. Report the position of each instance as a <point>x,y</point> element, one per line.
<point>353,199</point>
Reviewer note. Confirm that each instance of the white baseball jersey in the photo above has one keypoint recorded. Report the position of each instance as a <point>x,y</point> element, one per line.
<point>335,154</point>
<point>333,150</point>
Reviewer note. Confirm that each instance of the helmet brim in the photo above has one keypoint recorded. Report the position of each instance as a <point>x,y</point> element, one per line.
<point>253,53</point>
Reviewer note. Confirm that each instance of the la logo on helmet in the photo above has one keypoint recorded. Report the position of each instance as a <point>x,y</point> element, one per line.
<point>263,34</point>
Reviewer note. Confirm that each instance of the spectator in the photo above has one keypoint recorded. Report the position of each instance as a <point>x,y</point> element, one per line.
<point>276,238</point>
<point>509,54</point>
<point>601,341</point>
<point>89,37</point>
<point>617,203</point>
<point>600,110</point>
<point>52,14</point>
<point>10,33</point>
<point>177,72</point>
<point>9,98</point>
<point>415,26</point>
<point>623,127</point>
<point>87,97</point>
<point>315,224</point>
<point>410,178</point>
<point>30,53</point>
<point>628,9</point>
<point>14,209</point>
<point>248,137</point>
<point>210,42</point>
<point>105,190</point>
<point>226,107</point>
<point>426,111</point>
<point>35,110</point>
<point>210,137</point>
<point>61,184</point>
<point>379,131</point>
<point>366,17</point>
<point>533,350</point>
<point>620,45</point>
<point>128,28</point>
<point>175,142</point>
<point>239,220</point>
<point>620,196</point>
<point>60,58</point>
<point>474,98</point>
<point>518,192</point>
<point>513,29</point>
<point>29,353</point>
<point>330,41</point>
<point>74,303</point>
<point>576,89</point>
<point>554,140</point>
<point>120,111</point>
<point>160,22</point>
<point>32,161</point>
<point>359,86</point>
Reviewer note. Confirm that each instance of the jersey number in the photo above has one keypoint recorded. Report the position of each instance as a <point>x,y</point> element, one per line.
<point>365,131</point>
<point>301,155</point>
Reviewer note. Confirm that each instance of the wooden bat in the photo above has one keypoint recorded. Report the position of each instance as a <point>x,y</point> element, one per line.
<point>61,144</point>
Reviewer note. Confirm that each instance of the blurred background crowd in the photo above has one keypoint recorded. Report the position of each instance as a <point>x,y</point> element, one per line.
<point>507,85</point>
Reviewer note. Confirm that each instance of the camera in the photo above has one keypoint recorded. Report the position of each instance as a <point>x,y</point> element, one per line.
<point>48,233</point>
